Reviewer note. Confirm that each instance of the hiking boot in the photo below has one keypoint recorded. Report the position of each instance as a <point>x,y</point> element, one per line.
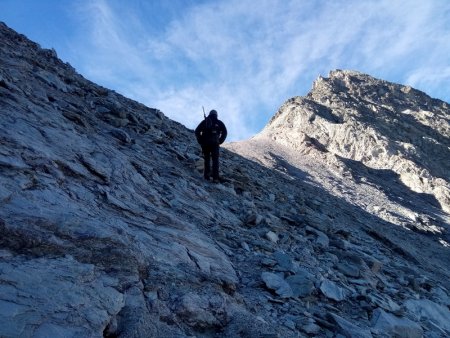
<point>216,180</point>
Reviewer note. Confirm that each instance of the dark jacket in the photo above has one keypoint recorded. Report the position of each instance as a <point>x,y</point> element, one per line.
<point>211,131</point>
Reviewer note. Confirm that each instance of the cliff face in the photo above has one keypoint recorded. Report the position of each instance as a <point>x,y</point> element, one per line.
<point>108,229</point>
<point>380,124</point>
<point>96,198</point>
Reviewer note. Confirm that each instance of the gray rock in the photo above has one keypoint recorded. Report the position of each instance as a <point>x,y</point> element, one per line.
<point>52,80</point>
<point>424,309</point>
<point>70,294</point>
<point>322,239</point>
<point>272,236</point>
<point>301,283</point>
<point>375,265</point>
<point>277,284</point>
<point>349,329</point>
<point>244,324</point>
<point>254,219</point>
<point>441,295</point>
<point>284,262</point>
<point>268,262</point>
<point>245,246</point>
<point>393,326</point>
<point>289,324</point>
<point>384,302</point>
<point>340,243</point>
<point>310,328</point>
<point>348,269</point>
<point>121,135</point>
<point>331,290</point>
<point>12,162</point>
<point>135,319</point>
<point>202,311</point>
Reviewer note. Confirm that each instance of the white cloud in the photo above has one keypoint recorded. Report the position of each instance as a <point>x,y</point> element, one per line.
<point>107,45</point>
<point>245,58</point>
<point>431,78</point>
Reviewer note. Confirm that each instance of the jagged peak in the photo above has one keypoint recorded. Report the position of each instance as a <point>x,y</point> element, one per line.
<point>380,123</point>
<point>361,84</point>
<point>343,80</point>
<point>344,74</point>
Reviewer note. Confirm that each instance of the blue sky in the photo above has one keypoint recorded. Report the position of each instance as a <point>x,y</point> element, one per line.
<point>243,58</point>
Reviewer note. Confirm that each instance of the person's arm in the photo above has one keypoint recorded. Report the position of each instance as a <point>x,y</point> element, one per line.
<point>199,130</point>
<point>223,133</point>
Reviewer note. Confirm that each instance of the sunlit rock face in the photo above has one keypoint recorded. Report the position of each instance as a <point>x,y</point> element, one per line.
<point>107,228</point>
<point>383,125</point>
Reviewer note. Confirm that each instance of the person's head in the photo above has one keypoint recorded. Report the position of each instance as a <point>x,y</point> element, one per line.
<point>213,113</point>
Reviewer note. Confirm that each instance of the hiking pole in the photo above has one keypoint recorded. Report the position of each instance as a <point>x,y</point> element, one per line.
<point>204,114</point>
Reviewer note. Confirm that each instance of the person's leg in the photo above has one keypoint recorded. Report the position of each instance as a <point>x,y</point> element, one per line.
<point>215,162</point>
<point>207,160</point>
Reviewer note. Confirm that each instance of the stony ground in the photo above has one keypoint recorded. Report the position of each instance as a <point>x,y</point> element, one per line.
<point>108,228</point>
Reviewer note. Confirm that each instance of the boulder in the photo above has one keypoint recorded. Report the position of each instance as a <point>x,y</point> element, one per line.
<point>272,236</point>
<point>301,283</point>
<point>321,239</point>
<point>278,284</point>
<point>393,326</point>
<point>331,290</point>
<point>424,309</point>
<point>284,262</point>
<point>348,329</point>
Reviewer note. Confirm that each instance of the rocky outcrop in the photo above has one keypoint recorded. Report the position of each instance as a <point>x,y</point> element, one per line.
<point>98,232</point>
<point>384,126</point>
<point>108,229</point>
<point>322,140</point>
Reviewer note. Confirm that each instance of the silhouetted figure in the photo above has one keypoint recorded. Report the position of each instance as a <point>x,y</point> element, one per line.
<point>211,133</point>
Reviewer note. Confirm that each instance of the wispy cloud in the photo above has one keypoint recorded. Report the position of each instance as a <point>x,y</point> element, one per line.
<point>244,58</point>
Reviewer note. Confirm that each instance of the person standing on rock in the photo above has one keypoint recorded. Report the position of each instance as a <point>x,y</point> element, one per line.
<point>211,133</point>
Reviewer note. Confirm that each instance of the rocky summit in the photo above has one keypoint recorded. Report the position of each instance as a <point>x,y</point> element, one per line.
<point>332,222</point>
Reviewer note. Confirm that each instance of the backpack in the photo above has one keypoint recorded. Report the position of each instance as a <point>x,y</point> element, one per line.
<point>211,132</point>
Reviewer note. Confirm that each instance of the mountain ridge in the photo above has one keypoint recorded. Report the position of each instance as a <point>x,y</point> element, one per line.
<point>109,230</point>
<point>378,129</point>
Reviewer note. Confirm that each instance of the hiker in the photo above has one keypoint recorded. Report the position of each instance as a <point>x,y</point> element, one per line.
<point>211,133</point>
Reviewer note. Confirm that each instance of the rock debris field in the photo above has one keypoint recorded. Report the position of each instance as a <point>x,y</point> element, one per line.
<point>332,222</point>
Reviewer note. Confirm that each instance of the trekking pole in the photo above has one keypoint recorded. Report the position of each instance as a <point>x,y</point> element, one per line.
<point>204,114</point>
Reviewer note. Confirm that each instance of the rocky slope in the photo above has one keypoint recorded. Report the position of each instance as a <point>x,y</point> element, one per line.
<point>107,228</point>
<point>384,126</point>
